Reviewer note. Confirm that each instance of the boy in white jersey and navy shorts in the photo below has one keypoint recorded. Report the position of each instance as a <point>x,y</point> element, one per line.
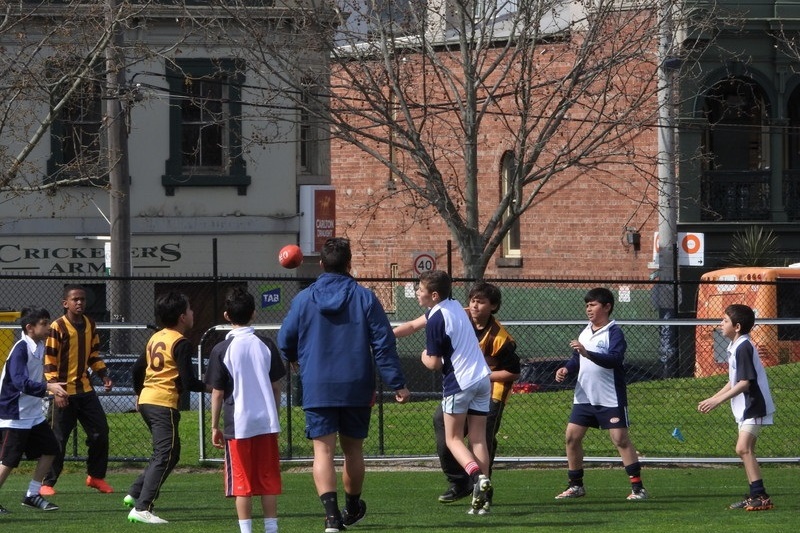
<point>751,402</point>
<point>451,346</point>
<point>601,398</point>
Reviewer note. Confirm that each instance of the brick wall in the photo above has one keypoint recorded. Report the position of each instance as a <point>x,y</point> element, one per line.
<point>576,227</point>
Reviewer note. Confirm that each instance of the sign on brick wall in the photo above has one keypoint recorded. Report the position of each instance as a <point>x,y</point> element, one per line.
<point>691,249</point>
<point>424,262</point>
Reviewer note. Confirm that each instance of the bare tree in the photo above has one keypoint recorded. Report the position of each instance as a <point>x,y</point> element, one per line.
<point>787,41</point>
<point>54,73</point>
<point>570,87</point>
<point>53,62</point>
<point>417,85</point>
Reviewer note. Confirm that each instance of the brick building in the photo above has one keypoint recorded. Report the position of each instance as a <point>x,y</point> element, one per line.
<point>582,222</point>
<point>735,157</point>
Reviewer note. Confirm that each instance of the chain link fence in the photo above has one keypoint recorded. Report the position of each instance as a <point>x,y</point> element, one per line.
<point>675,358</point>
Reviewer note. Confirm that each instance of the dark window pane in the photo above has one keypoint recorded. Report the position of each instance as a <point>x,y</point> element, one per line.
<point>211,147</point>
<point>81,120</point>
<point>190,144</point>
<point>514,241</point>
<point>204,115</point>
<point>191,111</point>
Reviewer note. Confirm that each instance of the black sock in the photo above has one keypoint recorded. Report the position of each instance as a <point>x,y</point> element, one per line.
<point>634,471</point>
<point>474,477</point>
<point>351,502</point>
<point>331,504</point>
<point>575,478</point>
<point>757,488</point>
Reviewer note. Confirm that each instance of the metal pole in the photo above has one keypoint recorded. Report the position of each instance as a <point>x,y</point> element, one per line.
<point>449,257</point>
<point>667,200</point>
<point>115,120</point>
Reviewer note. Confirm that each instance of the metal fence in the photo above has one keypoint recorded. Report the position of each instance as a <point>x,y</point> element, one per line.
<point>674,359</point>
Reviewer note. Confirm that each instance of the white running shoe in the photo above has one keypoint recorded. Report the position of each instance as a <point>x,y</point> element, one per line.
<point>144,517</point>
<point>573,491</point>
<point>640,494</point>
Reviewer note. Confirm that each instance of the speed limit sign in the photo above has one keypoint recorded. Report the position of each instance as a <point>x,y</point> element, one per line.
<point>424,262</point>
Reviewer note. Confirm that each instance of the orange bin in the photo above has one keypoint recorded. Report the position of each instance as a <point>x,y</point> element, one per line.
<point>770,292</point>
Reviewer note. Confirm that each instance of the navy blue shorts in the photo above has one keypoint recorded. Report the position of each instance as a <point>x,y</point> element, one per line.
<point>597,416</point>
<point>351,422</point>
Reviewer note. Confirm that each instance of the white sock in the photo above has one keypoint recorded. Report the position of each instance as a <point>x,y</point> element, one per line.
<point>246,526</point>
<point>271,525</point>
<point>34,487</point>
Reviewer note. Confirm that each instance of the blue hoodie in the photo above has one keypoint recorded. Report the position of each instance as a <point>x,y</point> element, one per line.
<point>338,332</point>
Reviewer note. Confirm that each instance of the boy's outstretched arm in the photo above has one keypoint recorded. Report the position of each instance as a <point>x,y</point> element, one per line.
<point>412,326</point>
<point>725,393</point>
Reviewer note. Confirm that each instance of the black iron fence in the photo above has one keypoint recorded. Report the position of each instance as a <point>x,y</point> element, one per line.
<point>674,358</point>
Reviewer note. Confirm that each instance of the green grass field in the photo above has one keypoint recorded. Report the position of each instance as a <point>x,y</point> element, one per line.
<point>533,425</point>
<point>685,499</point>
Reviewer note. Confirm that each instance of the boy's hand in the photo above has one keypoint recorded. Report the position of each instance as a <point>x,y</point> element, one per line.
<point>578,347</point>
<point>561,374</point>
<point>57,389</point>
<point>402,395</point>
<point>217,439</point>
<point>707,405</point>
<point>107,384</point>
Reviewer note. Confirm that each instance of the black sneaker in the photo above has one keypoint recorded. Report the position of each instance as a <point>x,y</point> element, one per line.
<point>334,524</point>
<point>455,493</point>
<point>37,502</point>
<point>3,510</point>
<point>759,503</point>
<point>741,504</point>
<point>351,519</point>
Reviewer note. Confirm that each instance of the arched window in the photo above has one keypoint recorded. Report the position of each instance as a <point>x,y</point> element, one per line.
<point>511,242</point>
<point>737,152</point>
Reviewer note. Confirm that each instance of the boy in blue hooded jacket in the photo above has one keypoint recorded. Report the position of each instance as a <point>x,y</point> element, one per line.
<point>335,334</point>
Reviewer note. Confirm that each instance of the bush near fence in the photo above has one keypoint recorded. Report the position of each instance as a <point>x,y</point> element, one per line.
<point>542,315</point>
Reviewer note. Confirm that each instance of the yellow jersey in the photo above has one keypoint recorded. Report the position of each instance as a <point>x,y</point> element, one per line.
<point>499,350</point>
<point>162,375</point>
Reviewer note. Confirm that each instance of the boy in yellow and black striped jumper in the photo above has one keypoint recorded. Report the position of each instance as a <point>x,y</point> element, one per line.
<point>71,350</point>
<point>159,378</point>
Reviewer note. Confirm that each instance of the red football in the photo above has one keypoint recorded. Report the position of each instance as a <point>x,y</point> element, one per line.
<point>290,256</point>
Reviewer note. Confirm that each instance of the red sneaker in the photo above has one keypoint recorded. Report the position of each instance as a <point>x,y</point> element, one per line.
<point>99,484</point>
<point>47,490</point>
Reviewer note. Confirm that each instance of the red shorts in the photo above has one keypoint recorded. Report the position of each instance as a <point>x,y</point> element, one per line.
<point>252,466</point>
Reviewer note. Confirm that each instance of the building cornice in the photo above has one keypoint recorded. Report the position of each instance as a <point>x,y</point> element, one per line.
<point>217,225</point>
